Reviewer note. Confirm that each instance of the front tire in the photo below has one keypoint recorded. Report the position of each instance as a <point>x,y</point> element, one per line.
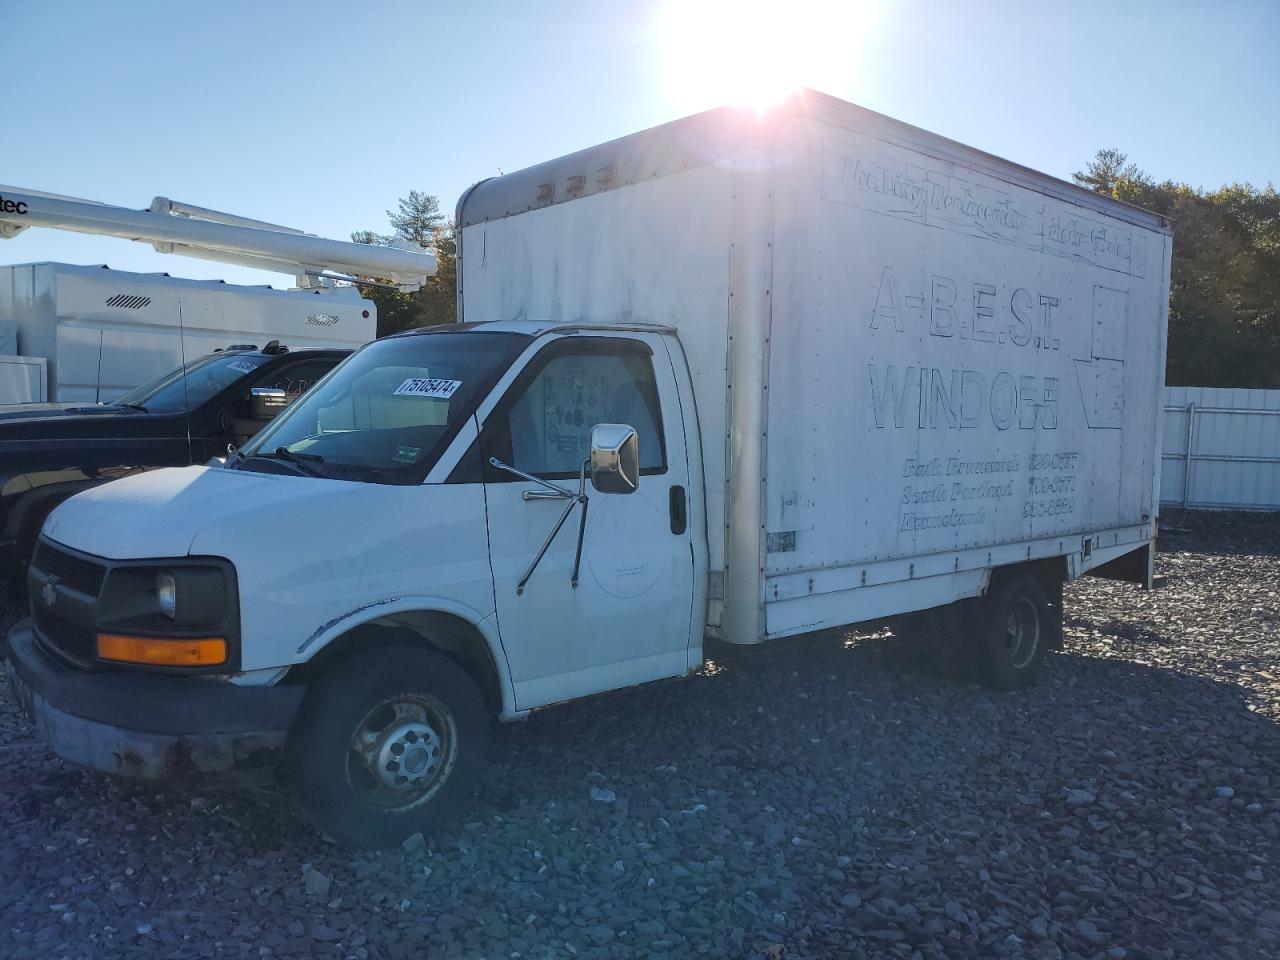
<point>1011,630</point>
<point>388,743</point>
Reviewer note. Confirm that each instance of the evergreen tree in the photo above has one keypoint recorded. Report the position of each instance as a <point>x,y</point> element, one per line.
<point>416,220</point>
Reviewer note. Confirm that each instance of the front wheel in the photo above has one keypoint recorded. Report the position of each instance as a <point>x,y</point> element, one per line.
<point>388,744</point>
<point>1012,628</point>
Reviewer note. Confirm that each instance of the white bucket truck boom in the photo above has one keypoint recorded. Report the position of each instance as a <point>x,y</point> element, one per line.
<point>172,227</point>
<point>103,332</point>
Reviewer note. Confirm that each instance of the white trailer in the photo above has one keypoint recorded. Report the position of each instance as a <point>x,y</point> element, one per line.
<point>914,362</point>
<point>104,332</point>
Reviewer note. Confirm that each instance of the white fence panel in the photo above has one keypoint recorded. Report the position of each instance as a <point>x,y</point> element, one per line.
<point>1221,448</point>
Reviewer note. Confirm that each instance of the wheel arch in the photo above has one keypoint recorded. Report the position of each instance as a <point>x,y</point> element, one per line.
<point>447,627</point>
<point>25,511</point>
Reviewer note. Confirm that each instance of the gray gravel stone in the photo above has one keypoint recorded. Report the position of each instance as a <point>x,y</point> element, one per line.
<point>316,883</point>
<point>935,818</point>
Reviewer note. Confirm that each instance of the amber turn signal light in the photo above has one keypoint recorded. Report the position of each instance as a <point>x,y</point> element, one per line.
<point>163,651</point>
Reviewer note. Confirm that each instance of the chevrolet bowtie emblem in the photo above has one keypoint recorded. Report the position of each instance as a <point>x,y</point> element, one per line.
<point>49,592</point>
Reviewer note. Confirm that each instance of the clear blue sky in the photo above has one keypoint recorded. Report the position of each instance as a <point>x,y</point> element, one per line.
<point>320,114</point>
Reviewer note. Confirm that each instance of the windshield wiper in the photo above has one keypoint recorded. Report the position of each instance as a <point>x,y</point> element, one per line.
<point>301,459</point>
<point>302,462</point>
<point>130,406</point>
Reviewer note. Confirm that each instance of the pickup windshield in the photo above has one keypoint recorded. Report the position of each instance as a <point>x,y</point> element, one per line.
<point>388,412</point>
<point>204,378</point>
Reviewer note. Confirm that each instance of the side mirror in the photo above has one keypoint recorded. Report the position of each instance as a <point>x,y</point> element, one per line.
<point>266,402</point>
<point>615,458</point>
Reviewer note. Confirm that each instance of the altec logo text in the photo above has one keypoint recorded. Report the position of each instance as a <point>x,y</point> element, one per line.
<point>12,206</point>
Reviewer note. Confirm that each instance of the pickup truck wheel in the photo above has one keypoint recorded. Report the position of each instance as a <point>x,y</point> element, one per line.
<point>386,745</point>
<point>1011,631</point>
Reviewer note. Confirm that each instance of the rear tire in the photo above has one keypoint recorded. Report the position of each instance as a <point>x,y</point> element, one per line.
<point>388,743</point>
<point>1011,630</point>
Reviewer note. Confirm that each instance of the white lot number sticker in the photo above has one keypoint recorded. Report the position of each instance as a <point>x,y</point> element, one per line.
<point>427,387</point>
<point>242,366</point>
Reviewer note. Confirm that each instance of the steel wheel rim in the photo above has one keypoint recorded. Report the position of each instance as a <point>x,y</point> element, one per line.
<point>1022,633</point>
<point>402,752</point>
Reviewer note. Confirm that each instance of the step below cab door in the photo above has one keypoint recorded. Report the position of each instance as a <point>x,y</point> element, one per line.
<point>628,618</point>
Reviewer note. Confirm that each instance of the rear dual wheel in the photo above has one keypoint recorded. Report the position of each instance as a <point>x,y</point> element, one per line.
<point>1011,629</point>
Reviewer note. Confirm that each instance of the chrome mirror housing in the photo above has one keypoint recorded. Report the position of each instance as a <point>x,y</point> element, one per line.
<point>615,458</point>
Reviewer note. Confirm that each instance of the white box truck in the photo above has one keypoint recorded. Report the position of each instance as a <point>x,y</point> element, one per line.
<point>741,377</point>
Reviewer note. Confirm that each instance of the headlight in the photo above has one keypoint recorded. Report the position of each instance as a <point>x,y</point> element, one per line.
<point>177,614</point>
<point>167,593</point>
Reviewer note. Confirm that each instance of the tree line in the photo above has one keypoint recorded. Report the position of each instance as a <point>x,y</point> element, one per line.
<point>1224,299</point>
<point>1224,295</point>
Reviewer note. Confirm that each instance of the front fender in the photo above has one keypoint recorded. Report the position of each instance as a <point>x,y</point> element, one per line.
<point>486,626</point>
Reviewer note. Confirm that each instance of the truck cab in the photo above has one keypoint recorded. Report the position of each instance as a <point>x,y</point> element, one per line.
<point>480,520</point>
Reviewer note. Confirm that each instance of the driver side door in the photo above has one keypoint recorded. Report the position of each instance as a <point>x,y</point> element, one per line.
<point>628,619</point>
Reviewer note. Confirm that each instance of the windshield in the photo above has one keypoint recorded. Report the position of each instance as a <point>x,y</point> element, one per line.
<point>205,378</point>
<point>387,413</point>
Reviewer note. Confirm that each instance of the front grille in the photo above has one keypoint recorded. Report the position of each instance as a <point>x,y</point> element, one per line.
<point>83,576</point>
<point>77,645</point>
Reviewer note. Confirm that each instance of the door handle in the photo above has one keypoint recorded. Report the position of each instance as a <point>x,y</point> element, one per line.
<point>679,510</point>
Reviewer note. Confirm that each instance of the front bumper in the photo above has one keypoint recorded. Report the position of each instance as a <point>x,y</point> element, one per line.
<point>144,725</point>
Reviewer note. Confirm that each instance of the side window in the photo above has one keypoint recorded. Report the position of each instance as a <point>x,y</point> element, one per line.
<point>297,378</point>
<point>549,423</point>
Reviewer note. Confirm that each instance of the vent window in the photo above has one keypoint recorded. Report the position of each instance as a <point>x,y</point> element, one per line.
<point>128,301</point>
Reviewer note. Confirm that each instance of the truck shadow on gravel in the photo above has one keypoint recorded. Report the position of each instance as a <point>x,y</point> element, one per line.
<point>799,802</point>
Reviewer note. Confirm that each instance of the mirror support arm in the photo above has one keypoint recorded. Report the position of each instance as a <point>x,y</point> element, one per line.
<point>582,523</point>
<point>555,492</point>
<point>568,509</point>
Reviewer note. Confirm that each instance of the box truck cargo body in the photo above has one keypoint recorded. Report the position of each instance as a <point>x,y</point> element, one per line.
<point>104,332</point>
<point>914,362</point>
<point>738,376</point>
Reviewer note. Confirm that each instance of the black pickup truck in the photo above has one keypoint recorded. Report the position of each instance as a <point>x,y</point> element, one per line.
<point>48,452</point>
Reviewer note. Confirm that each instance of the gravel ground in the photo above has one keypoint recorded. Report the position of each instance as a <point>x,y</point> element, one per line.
<point>824,799</point>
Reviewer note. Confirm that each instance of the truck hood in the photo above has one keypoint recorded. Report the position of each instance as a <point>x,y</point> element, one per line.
<point>45,411</point>
<point>311,555</point>
<point>35,423</point>
<point>159,513</point>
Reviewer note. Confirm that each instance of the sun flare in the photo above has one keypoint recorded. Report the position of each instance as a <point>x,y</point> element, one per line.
<point>752,53</point>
